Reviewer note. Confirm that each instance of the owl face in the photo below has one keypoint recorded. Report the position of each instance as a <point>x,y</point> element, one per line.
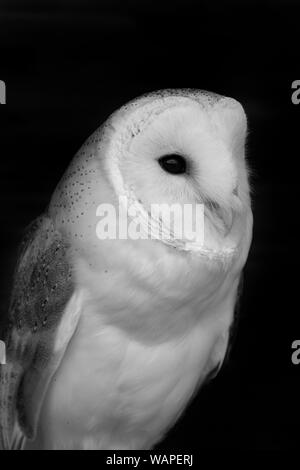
<point>185,150</point>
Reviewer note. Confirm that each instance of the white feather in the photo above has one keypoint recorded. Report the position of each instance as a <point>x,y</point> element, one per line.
<point>153,319</point>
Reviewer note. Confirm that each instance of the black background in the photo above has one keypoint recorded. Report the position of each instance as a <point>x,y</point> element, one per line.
<point>67,65</point>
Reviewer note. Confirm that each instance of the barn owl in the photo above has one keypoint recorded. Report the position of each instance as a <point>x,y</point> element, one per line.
<point>107,340</point>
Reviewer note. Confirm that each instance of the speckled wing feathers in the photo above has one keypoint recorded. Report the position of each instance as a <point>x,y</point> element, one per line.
<point>42,287</point>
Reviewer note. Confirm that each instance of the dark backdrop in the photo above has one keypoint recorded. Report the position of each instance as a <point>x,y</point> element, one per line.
<point>67,65</point>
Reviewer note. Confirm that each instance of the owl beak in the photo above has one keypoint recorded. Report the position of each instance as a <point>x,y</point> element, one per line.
<point>221,218</point>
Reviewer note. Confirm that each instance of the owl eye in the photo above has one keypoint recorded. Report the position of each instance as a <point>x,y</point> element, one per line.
<point>173,163</point>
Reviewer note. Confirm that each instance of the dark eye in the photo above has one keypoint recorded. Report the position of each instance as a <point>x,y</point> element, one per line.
<point>174,164</point>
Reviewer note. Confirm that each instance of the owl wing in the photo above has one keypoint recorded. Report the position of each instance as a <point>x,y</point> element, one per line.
<point>37,329</point>
<point>224,343</point>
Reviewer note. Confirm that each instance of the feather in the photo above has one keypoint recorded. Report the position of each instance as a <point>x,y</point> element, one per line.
<point>108,340</point>
<point>42,289</point>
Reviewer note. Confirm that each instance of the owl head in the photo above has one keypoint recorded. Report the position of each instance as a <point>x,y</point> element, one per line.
<point>184,147</point>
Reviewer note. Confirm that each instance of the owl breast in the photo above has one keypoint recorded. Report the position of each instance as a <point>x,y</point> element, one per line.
<point>115,392</point>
